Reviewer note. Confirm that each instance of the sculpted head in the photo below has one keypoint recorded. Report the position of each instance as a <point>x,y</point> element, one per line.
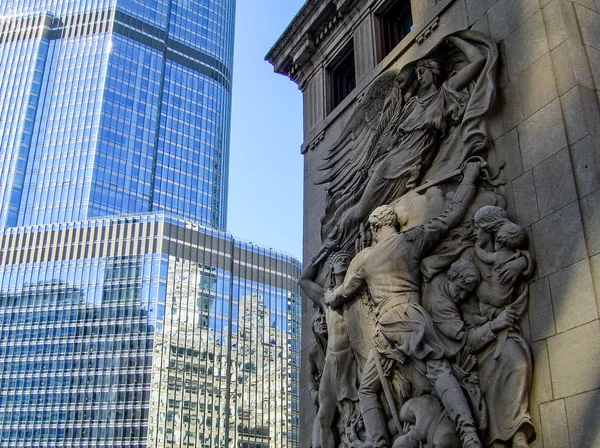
<point>381,217</point>
<point>339,262</point>
<point>319,324</point>
<point>406,78</point>
<point>463,276</point>
<point>510,235</point>
<point>489,217</point>
<point>429,72</point>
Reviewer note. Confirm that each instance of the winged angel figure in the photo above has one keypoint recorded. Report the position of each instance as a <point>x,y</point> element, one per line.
<point>413,126</point>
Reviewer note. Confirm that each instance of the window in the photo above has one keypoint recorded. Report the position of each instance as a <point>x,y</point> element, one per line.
<point>342,76</point>
<point>394,22</point>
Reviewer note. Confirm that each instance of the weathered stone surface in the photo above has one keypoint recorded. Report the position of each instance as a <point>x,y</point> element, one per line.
<point>542,135</point>
<point>581,114</point>
<point>507,151</point>
<point>510,100</point>
<point>554,424</point>
<point>590,214</point>
<point>482,25</point>
<point>589,24</point>
<point>555,170</point>
<point>586,165</point>
<point>564,226</point>
<point>545,134</point>
<point>583,418</point>
<point>570,64</point>
<point>573,356</point>
<point>561,23</point>
<point>573,299</point>
<point>594,60</point>
<point>541,314</point>
<point>537,85</point>
<point>524,198</point>
<point>477,8</point>
<point>507,15</point>
<point>526,45</point>
<point>541,390</point>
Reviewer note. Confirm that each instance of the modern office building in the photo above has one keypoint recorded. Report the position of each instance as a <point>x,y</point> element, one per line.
<point>146,331</point>
<point>129,317</point>
<point>114,106</point>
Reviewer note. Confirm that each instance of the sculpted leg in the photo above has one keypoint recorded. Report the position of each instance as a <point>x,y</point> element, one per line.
<point>372,412</point>
<point>454,401</point>
<point>325,419</point>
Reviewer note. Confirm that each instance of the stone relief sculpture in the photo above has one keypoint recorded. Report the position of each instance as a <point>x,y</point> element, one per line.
<point>338,383</point>
<point>421,279</point>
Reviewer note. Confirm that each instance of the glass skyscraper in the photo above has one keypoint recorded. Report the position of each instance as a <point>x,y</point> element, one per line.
<point>114,106</point>
<point>128,316</point>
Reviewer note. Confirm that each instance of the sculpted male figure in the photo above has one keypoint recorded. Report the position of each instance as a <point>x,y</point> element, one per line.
<point>338,380</point>
<point>390,271</point>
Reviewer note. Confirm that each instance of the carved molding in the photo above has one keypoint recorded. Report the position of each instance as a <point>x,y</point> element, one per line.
<point>428,30</point>
<point>314,142</point>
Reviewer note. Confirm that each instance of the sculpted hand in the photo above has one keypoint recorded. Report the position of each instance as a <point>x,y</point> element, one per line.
<point>510,271</point>
<point>332,300</point>
<point>505,319</point>
<point>387,365</point>
<point>329,246</point>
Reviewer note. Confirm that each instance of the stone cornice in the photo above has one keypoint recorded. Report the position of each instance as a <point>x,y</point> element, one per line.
<point>289,33</point>
<point>308,29</point>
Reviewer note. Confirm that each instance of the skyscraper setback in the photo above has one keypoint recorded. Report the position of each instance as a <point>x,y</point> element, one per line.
<point>128,316</point>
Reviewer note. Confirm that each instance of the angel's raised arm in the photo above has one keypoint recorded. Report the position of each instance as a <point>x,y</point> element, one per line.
<point>469,72</point>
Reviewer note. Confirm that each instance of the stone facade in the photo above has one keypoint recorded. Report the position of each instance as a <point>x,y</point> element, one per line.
<point>546,131</point>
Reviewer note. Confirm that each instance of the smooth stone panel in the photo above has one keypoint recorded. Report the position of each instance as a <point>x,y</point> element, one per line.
<point>561,23</point>
<point>507,15</point>
<point>554,424</point>
<point>590,215</point>
<point>574,360</point>
<point>541,314</point>
<point>552,172</point>
<point>526,45</point>
<point>573,298</point>
<point>571,67</point>
<point>524,198</point>
<point>537,85</point>
<point>559,240</point>
<point>542,135</point>
<point>583,418</point>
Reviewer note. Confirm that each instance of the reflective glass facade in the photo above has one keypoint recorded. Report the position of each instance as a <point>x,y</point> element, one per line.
<point>128,317</point>
<point>114,107</point>
<point>146,332</point>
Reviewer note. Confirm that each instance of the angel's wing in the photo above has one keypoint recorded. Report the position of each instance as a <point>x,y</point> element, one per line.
<point>351,156</point>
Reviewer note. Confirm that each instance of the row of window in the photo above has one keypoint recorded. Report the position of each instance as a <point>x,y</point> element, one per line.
<point>392,23</point>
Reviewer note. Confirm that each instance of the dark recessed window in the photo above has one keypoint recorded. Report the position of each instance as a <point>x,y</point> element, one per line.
<point>395,22</point>
<point>342,76</point>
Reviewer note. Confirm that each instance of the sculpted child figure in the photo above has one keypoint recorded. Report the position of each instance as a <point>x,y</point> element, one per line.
<point>338,379</point>
<point>493,293</point>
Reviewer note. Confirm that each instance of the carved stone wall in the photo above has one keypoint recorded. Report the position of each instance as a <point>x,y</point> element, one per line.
<point>544,132</point>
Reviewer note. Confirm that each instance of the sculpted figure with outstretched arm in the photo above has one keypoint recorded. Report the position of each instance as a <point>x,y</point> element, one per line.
<point>338,379</point>
<point>417,135</point>
<point>390,272</point>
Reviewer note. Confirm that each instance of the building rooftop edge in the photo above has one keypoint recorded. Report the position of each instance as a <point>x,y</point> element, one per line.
<point>299,19</point>
<point>156,216</point>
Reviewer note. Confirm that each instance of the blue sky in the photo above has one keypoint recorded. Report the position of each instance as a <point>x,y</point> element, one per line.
<point>265,174</point>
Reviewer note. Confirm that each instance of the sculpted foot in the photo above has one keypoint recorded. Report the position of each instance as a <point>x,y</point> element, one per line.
<point>519,441</point>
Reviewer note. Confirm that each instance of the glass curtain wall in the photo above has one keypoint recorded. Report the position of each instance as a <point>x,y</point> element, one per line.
<point>146,332</point>
<point>123,107</point>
